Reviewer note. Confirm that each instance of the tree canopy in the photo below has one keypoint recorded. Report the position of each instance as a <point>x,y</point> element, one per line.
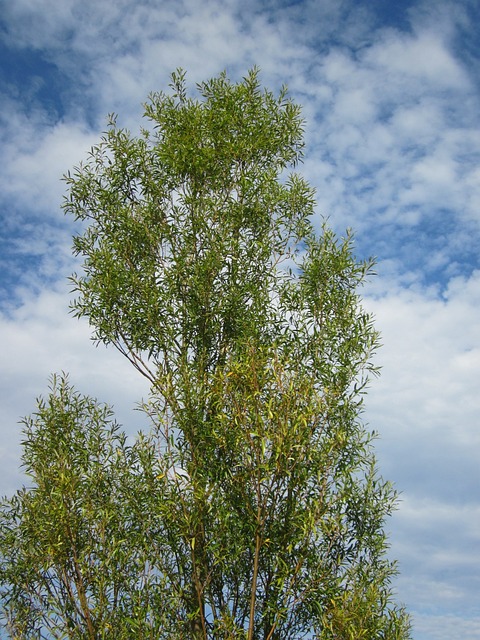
<point>253,509</point>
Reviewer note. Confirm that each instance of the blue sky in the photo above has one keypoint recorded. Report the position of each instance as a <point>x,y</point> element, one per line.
<point>391,97</point>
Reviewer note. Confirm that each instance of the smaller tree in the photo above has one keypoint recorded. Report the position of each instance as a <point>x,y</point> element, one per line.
<point>73,561</point>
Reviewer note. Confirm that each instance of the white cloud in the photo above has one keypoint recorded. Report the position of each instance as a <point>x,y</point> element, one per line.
<point>430,355</point>
<point>35,156</point>
<point>33,23</point>
<point>426,406</point>
<point>394,149</point>
<point>446,627</point>
<point>422,58</point>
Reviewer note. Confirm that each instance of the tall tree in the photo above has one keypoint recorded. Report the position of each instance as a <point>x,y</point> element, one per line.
<point>262,512</point>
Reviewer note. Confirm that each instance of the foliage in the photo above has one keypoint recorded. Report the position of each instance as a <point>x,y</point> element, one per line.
<point>254,508</point>
<point>72,565</point>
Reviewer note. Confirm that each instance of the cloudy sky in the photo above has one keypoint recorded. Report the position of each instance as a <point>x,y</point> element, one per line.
<point>391,96</point>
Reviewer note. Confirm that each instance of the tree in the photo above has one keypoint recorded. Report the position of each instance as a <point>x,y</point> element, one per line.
<point>254,504</point>
<point>71,561</point>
